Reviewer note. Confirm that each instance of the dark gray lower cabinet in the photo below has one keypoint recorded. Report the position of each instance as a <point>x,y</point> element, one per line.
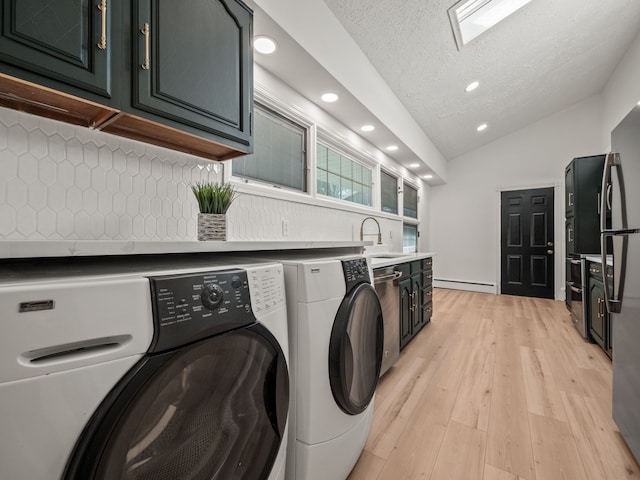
<point>599,319</point>
<point>416,306</point>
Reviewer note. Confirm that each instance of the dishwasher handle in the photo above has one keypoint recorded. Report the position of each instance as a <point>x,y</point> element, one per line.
<point>387,278</point>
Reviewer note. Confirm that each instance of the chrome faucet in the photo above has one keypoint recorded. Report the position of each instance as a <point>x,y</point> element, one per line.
<point>362,234</point>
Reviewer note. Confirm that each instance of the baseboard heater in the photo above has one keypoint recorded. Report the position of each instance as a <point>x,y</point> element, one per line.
<point>483,287</point>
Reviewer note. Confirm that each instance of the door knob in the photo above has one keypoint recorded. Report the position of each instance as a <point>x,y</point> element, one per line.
<point>550,252</point>
<point>549,244</point>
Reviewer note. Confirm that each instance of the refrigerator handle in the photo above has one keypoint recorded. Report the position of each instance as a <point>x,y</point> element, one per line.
<point>618,238</point>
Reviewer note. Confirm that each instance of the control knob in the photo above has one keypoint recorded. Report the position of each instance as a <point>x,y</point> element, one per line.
<point>212,296</point>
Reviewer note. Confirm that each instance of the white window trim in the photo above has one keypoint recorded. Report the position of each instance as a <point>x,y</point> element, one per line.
<point>317,133</point>
<point>399,184</point>
<point>340,145</point>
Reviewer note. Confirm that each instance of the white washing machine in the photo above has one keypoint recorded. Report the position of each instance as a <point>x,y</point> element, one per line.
<point>148,370</point>
<point>336,346</point>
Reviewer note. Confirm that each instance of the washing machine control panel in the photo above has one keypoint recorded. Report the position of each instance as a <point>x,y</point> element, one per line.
<point>188,307</point>
<point>355,272</point>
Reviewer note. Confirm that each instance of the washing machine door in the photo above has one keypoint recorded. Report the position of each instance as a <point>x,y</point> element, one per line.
<point>355,349</point>
<point>215,409</point>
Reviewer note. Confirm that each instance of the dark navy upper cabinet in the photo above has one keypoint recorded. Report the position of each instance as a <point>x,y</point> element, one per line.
<point>193,65</point>
<point>68,45</point>
<point>583,182</point>
<point>178,74</point>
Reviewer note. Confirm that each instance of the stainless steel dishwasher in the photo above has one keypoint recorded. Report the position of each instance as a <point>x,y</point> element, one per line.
<point>389,294</point>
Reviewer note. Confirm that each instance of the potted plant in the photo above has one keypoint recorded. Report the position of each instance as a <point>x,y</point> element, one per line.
<point>214,200</point>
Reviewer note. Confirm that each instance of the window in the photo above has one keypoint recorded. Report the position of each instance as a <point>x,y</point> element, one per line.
<point>279,156</point>
<point>409,238</point>
<point>470,18</point>
<point>343,178</point>
<point>388,192</point>
<point>410,201</point>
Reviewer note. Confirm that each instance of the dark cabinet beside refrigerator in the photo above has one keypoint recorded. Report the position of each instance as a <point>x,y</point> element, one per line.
<point>599,319</point>
<point>415,298</point>
<point>583,179</point>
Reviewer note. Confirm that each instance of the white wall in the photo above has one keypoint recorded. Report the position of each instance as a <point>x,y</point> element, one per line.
<point>464,218</point>
<point>622,91</point>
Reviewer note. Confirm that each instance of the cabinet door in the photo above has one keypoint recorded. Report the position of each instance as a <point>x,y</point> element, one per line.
<point>597,312</point>
<point>569,192</point>
<point>406,311</point>
<point>193,65</point>
<point>60,40</point>
<point>570,236</point>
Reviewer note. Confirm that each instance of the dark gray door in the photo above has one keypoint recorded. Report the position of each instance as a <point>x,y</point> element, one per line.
<point>68,41</point>
<point>193,64</point>
<point>527,249</point>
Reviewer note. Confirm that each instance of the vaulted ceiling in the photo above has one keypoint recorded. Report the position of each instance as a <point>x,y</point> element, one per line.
<point>547,56</point>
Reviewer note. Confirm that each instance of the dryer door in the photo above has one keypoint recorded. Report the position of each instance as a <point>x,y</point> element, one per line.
<point>215,409</point>
<point>355,349</point>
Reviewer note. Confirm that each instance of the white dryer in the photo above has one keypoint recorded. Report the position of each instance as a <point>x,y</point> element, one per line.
<point>117,370</point>
<point>336,346</point>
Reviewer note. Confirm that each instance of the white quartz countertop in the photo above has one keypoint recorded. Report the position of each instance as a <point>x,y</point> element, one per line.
<point>80,248</point>
<point>386,259</point>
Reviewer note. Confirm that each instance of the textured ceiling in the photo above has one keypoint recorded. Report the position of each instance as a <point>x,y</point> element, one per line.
<point>547,56</point>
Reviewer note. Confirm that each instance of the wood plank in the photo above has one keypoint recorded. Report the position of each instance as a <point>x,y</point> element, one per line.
<point>543,396</point>
<point>415,453</point>
<point>494,473</point>
<point>508,440</point>
<point>397,409</point>
<point>461,455</point>
<point>554,449</point>
<point>474,395</point>
<point>368,467</point>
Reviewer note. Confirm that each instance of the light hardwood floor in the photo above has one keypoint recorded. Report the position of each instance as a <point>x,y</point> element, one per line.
<point>496,388</point>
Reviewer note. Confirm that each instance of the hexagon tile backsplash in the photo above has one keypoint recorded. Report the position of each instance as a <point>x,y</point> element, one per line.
<point>62,182</point>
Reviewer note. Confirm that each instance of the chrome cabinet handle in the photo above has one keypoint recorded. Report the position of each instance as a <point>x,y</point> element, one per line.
<point>571,199</point>
<point>102,6</point>
<point>145,31</point>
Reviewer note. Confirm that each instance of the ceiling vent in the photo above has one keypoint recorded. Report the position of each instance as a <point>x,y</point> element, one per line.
<point>470,18</point>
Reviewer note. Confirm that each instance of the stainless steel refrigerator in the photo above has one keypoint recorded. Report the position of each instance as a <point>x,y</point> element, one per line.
<point>621,246</point>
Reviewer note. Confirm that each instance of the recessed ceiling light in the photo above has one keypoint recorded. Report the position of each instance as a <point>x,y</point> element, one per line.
<point>427,176</point>
<point>482,127</point>
<point>367,128</point>
<point>392,148</point>
<point>638,103</point>
<point>265,45</point>
<point>471,87</point>
<point>329,97</point>
<point>414,165</point>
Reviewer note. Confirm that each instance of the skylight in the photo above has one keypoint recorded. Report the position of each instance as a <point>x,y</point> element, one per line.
<point>470,18</point>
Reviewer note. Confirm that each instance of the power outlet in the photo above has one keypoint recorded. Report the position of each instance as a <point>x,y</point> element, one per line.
<point>285,228</point>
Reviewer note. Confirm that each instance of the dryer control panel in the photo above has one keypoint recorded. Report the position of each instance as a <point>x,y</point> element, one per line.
<point>189,307</point>
<point>355,272</point>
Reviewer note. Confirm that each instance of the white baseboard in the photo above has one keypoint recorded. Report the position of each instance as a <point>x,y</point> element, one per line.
<point>481,287</point>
